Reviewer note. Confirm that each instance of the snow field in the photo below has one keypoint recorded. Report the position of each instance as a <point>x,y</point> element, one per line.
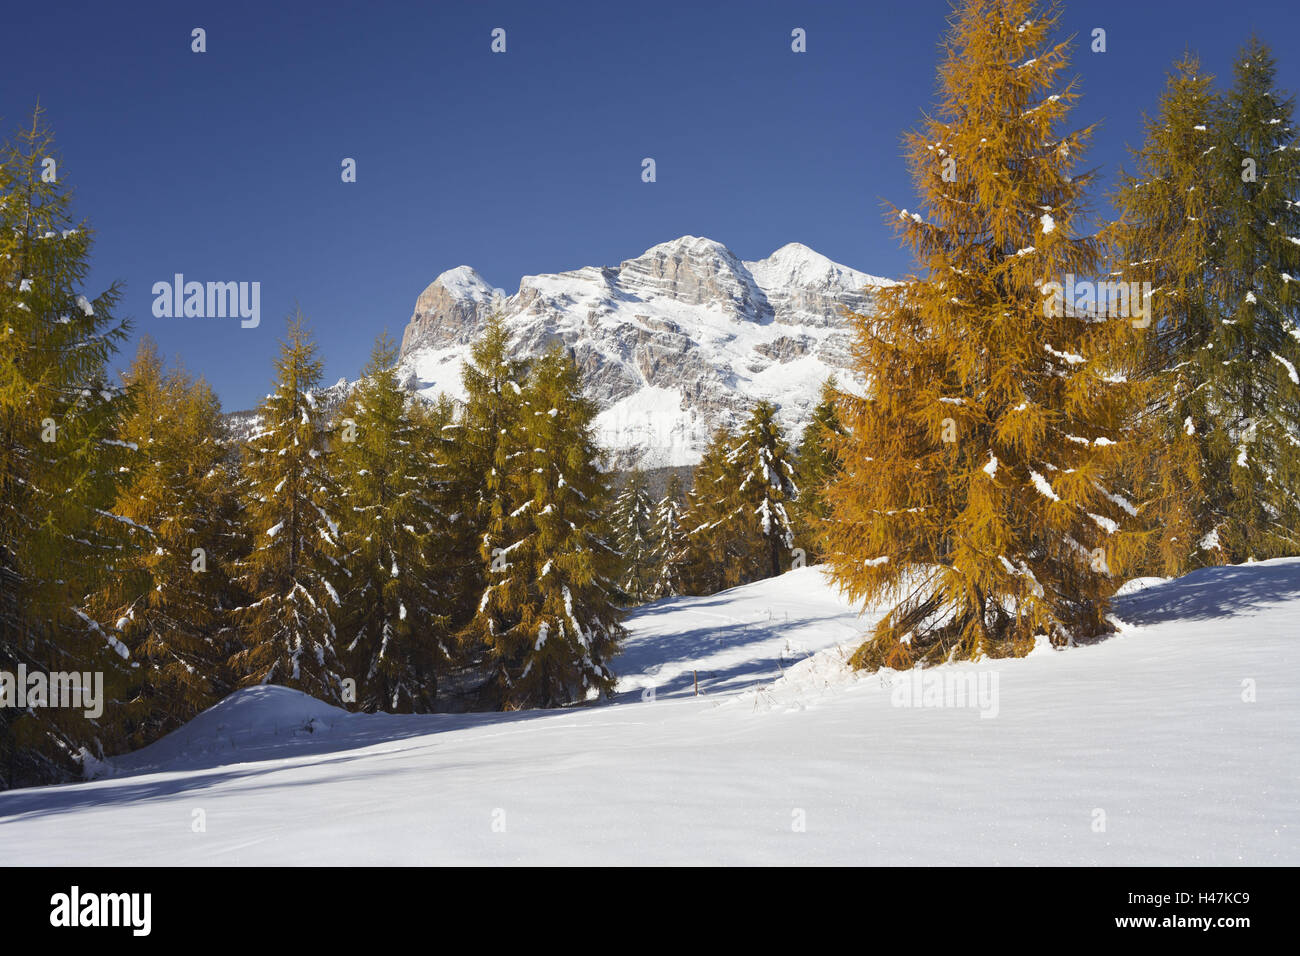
<point>1170,743</point>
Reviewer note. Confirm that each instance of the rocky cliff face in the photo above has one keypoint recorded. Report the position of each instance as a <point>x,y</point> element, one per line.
<point>672,343</point>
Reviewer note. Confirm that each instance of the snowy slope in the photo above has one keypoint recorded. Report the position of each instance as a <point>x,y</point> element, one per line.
<point>1148,727</point>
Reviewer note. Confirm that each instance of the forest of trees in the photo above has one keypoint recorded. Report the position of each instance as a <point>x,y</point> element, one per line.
<point>1012,460</point>
<point>362,553</point>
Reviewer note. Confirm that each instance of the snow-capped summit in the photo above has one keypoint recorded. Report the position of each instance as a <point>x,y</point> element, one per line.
<point>463,282</point>
<point>796,265</point>
<point>802,282</point>
<point>696,271</point>
<point>673,342</point>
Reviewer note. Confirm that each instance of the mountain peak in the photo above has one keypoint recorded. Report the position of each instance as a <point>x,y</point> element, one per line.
<point>797,265</point>
<point>696,245</point>
<point>690,252</point>
<point>463,282</point>
<point>797,250</point>
<point>672,343</point>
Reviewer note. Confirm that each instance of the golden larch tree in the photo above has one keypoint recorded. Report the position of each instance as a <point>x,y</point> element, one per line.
<point>973,493</point>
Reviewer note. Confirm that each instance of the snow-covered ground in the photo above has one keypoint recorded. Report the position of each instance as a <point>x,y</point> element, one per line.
<point>1173,742</point>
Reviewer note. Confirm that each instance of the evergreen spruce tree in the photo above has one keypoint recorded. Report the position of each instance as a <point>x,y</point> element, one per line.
<point>169,595</point>
<point>669,542</point>
<point>972,490</point>
<point>1169,214</point>
<point>814,468</point>
<point>737,525</point>
<point>60,462</point>
<point>633,521</point>
<point>393,625</point>
<point>1209,220</point>
<point>1252,356</point>
<point>548,615</point>
<point>288,629</point>
<point>764,485</point>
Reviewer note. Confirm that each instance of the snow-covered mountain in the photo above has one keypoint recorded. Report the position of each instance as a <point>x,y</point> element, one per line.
<point>672,343</point>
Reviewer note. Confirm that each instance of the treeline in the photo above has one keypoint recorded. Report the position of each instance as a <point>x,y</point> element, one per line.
<point>363,555</point>
<point>1053,409</point>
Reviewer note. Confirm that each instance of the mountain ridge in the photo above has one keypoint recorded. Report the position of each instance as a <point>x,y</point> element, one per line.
<point>672,343</point>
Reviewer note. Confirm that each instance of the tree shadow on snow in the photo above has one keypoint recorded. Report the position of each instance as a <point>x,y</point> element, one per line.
<point>667,653</point>
<point>36,802</point>
<point>1212,593</point>
<point>247,749</point>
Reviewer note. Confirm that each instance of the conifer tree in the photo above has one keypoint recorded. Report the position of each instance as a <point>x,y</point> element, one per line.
<point>393,624</point>
<point>60,462</point>
<point>548,615</point>
<point>814,467</point>
<point>451,553</point>
<point>972,490</point>
<point>633,521</point>
<point>1209,220</point>
<point>1169,214</point>
<point>764,485</point>
<point>169,594</point>
<point>669,542</point>
<point>478,453</point>
<point>737,524</point>
<point>288,630</point>
<point>1252,383</point>
<point>712,557</point>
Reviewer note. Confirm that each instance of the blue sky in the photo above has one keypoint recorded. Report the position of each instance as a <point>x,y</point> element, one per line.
<point>225,165</point>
